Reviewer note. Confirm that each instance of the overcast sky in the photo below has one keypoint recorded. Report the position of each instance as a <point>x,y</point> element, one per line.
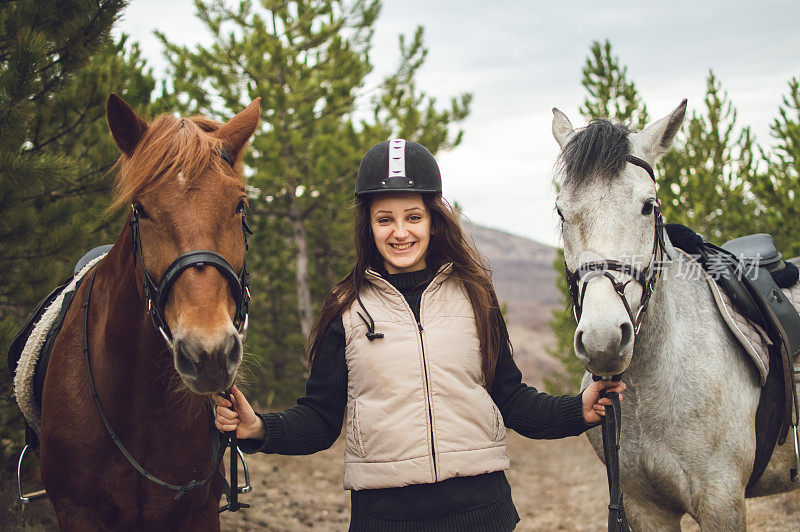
<point>520,58</point>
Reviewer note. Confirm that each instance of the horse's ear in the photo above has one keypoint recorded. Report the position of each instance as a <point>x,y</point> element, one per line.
<point>562,128</point>
<point>658,136</point>
<point>240,128</point>
<point>125,125</point>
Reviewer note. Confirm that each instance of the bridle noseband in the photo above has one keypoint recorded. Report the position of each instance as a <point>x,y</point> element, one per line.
<point>155,295</point>
<point>602,268</point>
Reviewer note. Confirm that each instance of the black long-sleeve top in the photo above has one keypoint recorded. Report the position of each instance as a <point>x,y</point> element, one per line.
<point>480,502</point>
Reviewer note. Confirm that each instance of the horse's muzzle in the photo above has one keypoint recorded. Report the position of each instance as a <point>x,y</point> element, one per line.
<point>208,366</point>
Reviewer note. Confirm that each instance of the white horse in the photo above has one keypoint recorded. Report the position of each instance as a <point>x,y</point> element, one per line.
<point>688,437</point>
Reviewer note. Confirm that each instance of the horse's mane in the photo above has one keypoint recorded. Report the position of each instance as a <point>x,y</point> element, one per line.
<point>170,145</point>
<point>596,151</point>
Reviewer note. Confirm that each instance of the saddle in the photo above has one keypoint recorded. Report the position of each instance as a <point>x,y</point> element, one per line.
<point>757,292</point>
<point>29,353</point>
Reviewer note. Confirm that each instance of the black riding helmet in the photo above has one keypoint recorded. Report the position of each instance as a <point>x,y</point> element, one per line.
<point>398,165</point>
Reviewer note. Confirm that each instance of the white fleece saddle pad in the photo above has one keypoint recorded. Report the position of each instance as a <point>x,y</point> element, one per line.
<point>26,367</point>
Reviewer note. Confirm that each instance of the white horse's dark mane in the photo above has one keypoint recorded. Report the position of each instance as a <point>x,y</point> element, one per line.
<point>596,151</point>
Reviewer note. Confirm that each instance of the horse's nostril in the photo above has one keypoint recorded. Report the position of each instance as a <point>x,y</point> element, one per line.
<point>627,335</point>
<point>233,352</point>
<point>186,365</point>
<point>579,348</point>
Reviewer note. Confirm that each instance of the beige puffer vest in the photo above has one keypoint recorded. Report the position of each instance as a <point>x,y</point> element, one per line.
<point>417,411</point>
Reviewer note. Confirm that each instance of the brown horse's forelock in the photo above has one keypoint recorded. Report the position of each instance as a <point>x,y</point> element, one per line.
<point>596,151</point>
<point>170,145</point>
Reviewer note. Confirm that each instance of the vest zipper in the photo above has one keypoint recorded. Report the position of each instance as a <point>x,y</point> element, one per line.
<point>424,360</point>
<point>428,397</point>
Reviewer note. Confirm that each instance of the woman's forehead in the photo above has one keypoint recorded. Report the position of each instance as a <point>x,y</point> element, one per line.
<point>396,202</point>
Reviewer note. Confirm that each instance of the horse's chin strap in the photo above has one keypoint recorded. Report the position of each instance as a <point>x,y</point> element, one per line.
<point>610,425</point>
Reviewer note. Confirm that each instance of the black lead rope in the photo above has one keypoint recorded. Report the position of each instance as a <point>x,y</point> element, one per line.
<point>182,490</point>
<point>610,425</point>
<point>233,499</point>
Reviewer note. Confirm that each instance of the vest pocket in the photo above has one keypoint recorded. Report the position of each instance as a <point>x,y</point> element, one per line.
<point>354,432</point>
<point>499,424</point>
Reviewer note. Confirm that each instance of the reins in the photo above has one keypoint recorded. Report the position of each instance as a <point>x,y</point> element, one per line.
<point>610,426</point>
<point>233,497</point>
<point>647,278</point>
<point>182,490</point>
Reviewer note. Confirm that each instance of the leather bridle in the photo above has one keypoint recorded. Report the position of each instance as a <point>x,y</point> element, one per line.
<point>155,298</point>
<point>155,295</point>
<point>647,277</point>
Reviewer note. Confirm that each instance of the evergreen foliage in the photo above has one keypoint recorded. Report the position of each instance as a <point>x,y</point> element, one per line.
<point>562,323</point>
<point>705,180</point>
<point>58,67</point>
<point>778,192</point>
<point>609,92</point>
<point>308,61</point>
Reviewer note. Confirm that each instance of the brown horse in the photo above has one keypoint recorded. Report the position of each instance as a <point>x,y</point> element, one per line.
<point>182,177</point>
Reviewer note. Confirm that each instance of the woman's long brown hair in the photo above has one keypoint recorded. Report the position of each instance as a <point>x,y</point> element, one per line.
<point>447,244</point>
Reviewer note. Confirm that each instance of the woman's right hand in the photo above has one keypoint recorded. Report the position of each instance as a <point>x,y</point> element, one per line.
<point>243,419</point>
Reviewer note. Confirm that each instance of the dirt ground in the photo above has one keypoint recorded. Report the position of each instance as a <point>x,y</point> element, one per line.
<point>556,485</point>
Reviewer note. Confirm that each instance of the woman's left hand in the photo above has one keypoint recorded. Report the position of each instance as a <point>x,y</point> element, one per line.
<point>593,407</point>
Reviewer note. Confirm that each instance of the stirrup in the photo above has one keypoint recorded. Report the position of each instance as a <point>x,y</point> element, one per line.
<point>247,488</point>
<point>41,494</point>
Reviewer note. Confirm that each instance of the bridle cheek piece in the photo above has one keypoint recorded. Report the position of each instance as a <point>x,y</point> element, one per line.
<point>647,277</point>
<point>155,295</point>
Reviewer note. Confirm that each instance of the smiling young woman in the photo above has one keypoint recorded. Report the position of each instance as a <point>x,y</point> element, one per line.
<point>412,350</point>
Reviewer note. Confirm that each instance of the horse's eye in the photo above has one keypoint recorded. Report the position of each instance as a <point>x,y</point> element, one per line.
<point>647,208</point>
<point>558,211</point>
<point>242,207</point>
<point>140,212</point>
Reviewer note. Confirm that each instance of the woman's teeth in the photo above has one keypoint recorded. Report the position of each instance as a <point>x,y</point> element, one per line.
<point>402,247</point>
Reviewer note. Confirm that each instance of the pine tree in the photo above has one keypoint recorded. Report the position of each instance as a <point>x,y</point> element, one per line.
<point>58,66</point>
<point>704,181</point>
<point>778,190</point>
<point>44,46</point>
<point>308,61</point>
<point>610,95</point>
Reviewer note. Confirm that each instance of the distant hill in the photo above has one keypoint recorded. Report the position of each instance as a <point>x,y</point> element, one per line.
<point>524,278</point>
<point>523,274</point>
